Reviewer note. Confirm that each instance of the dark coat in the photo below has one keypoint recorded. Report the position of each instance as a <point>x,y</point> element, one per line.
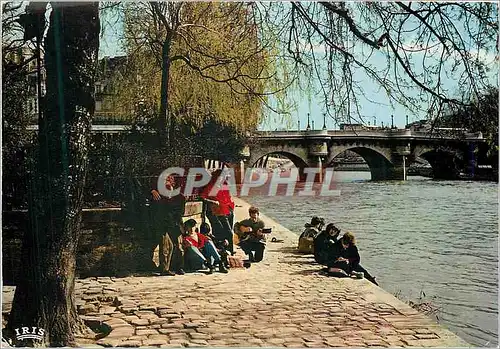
<point>351,253</point>
<point>325,248</point>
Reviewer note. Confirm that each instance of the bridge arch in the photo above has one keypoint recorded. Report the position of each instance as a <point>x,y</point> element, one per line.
<point>378,159</point>
<point>297,159</point>
<point>446,162</point>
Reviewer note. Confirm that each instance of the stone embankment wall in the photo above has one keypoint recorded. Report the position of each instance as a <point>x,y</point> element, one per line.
<point>113,242</point>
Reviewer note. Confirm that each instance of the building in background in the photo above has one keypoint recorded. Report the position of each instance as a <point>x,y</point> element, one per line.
<point>107,107</point>
<point>27,55</point>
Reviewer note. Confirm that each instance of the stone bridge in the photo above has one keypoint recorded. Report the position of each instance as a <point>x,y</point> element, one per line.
<point>385,151</point>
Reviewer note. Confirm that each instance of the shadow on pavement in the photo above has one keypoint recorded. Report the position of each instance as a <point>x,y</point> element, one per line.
<point>315,271</point>
<point>287,249</point>
<point>312,262</point>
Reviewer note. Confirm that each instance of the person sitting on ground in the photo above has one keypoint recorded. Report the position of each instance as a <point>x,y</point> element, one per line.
<point>348,257</point>
<point>220,245</point>
<point>325,244</point>
<point>200,249</point>
<point>252,239</point>
<point>345,256</point>
<point>306,239</point>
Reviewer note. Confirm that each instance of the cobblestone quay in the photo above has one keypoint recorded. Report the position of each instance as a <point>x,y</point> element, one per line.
<point>281,302</point>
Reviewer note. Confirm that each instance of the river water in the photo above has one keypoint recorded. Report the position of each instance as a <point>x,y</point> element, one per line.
<point>435,237</point>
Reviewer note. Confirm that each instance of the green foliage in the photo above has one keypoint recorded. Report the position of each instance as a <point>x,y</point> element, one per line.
<point>215,141</point>
<point>219,67</point>
<point>123,168</point>
<point>477,115</point>
<point>217,76</point>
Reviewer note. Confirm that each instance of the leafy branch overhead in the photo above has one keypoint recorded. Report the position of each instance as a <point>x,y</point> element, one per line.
<point>228,58</point>
<point>422,55</point>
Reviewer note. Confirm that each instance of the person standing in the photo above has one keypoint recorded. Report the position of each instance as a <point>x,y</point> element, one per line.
<point>167,212</point>
<point>221,205</point>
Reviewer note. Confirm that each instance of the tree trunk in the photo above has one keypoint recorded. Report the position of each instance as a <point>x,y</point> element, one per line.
<point>45,296</point>
<point>164,122</point>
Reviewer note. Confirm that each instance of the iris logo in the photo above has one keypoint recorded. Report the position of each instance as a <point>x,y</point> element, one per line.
<point>30,333</point>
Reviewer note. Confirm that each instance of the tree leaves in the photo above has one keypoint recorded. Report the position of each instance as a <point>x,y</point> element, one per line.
<point>219,67</point>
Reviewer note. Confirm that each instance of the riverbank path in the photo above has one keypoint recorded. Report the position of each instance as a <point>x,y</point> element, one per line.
<point>283,301</point>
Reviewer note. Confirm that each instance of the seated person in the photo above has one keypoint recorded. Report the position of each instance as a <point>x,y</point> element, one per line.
<point>220,245</point>
<point>306,239</point>
<point>348,257</point>
<point>325,244</point>
<point>345,256</point>
<point>199,249</point>
<point>252,239</point>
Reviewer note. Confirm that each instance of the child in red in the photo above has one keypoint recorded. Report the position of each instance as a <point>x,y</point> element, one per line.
<point>199,249</point>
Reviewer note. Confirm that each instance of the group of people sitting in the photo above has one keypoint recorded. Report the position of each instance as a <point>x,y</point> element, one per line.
<point>184,245</point>
<point>202,249</point>
<point>339,254</point>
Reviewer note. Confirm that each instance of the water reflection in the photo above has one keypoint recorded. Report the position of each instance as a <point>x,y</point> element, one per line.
<point>435,236</point>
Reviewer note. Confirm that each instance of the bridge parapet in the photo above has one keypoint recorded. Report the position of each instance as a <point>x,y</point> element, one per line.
<point>311,134</point>
<point>316,133</point>
<point>362,134</point>
<point>448,134</point>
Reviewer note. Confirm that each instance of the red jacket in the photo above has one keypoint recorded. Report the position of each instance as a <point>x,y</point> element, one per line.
<point>202,240</point>
<point>223,196</point>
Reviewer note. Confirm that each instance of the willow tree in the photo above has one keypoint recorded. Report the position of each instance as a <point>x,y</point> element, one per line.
<point>44,296</point>
<point>422,55</point>
<point>199,61</point>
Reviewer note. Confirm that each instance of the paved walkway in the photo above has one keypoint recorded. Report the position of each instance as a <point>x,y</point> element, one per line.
<point>282,301</point>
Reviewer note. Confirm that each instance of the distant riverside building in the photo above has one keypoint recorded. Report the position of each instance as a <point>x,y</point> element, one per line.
<point>420,125</point>
<point>426,126</point>
<point>26,53</point>
<point>110,71</point>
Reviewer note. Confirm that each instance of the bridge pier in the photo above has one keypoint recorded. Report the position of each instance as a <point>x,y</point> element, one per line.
<point>239,172</point>
<point>318,151</point>
<point>471,158</point>
<point>387,173</point>
<point>320,167</point>
<point>396,169</point>
<point>318,164</point>
<point>314,163</point>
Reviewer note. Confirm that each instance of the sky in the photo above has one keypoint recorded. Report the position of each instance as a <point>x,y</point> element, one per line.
<point>378,109</point>
<point>306,103</point>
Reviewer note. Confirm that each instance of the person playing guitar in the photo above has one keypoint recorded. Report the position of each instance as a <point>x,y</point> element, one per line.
<point>251,234</point>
